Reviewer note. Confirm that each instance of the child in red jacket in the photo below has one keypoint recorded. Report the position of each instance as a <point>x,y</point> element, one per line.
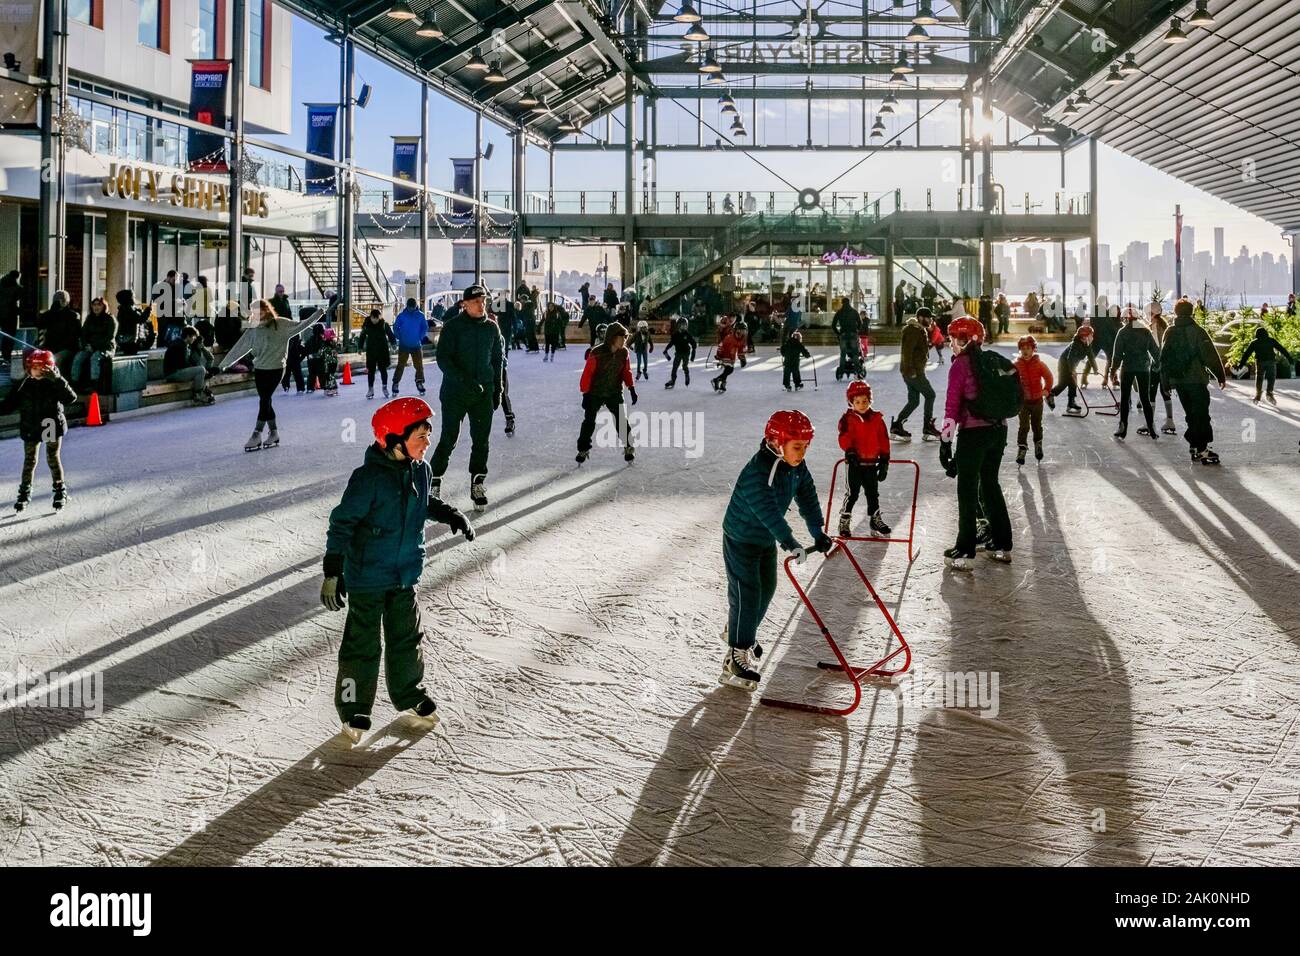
<point>608,369</point>
<point>1036,384</point>
<point>865,441</point>
<point>730,350</point>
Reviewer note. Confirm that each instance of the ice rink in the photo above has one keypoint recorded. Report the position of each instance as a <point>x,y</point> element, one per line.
<point>1140,652</point>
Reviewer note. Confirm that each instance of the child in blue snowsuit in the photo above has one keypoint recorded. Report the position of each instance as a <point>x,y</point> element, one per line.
<point>754,525</point>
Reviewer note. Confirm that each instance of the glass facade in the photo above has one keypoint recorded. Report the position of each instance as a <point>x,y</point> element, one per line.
<point>80,10</point>
<point>205,39</point>
<point>149,31</point>
<point>257,27</point>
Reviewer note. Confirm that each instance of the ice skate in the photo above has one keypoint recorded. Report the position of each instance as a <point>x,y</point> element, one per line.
<point>878,525</point>
<point>61,495</point>
<point>419,387</point>
<point>670,383</point>
<point>799,387</point>
<point>254,443</point>
<point>1073,411</point>
<point>958,560</point>
<point>394,390</point>
<point>1122,432</point>
<point>686,377</point>
<point>1020,454</point>
<point>581,456</point>
<point>370,392</point>
<point>24,497</point>
<point>1169,428</point>
<point>755,649</point>
<point>930,432</point>
<point>717,384</point>
<point>355,727</point>
<point>272,439</point>
<point>1051,401</point>
<point>997,554</point>
<point>478,493</point>
<point>510,426</point>
<point>1270,399</point>
<point>1038,451</point>
<point>846,524</point>
<point>896,430</point>
<point>629,454</point>
<point>789,388</point>
<point>736,670</point>
<point>1208,457</point>
<point>425,711</point>
<point>385,391</point>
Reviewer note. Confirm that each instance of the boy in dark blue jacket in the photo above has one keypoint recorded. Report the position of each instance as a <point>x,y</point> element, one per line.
<point>752,528</point>
<point>375,550</point>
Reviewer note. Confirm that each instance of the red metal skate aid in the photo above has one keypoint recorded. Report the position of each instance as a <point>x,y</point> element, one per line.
<point>856,675</point>
<point>911,525</point>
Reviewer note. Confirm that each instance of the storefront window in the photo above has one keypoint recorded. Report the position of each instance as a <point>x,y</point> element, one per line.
<point>79,10</point>
<point>149,32</point>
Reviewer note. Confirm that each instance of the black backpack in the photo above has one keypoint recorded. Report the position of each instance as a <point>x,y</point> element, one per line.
<point>999,395</point>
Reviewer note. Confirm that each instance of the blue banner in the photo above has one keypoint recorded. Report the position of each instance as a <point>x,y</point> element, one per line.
<point>207,151</point>
<point>321,120</point>
<point>406,158</point>
<point>462,182</point>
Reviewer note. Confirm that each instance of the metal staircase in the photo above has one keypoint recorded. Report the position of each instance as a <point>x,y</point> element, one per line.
<point>370,285</point>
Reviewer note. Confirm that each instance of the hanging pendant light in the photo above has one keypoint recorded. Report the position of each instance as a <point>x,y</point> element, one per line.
<point>738,127</point>
<point>710,64</point>
<point>716,79</point>
<point>696,33</point>
<point>1202,17</point>
<point>902,66</point>
<point>1081,99</point>
<point>1130,65</point>
<point>1175,34</point>
<point>529,98</point>
<point>401,10</point>
<point>878,128</point>
<point>1114,77</point>
<point>917,34</point>
<point>494,74</point>
<point>888,106</point>
<point>925,15</point>
<point>477,63</point>
<point>1070,108</point>
<point>686,13</point>
<point>429,28</point>
<point>898,79</point>
<point>727,105</point>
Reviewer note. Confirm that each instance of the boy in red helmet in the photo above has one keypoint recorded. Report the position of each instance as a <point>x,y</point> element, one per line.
<point>375,551</point>
<point>754,525</point>
<point>1079,350</point>
<point>730,351</point>
<point>607,371</point>
<point>980,444</point>
<point>865,441</point>
<point>39,399</point>
<point>1036,383</point>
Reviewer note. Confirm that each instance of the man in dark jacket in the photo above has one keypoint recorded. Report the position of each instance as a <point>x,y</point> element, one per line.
<point>39,401</point>
<point>915,349</point>
<point>593,315</point>
<point>607,370</point>
<point>374,554</point>
<point>11,297</point>
<point>280,302</point>
<point>1132,357</point>
<point>1265,349</point>
<point>1187,359</point>
<point>682,345</point>
<point>470,354</point>
<point>59,331</point>
<point>847,325</point>
<point>187,360</point>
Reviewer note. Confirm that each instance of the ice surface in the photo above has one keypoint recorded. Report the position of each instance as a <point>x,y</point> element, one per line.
<point>1144,641</point>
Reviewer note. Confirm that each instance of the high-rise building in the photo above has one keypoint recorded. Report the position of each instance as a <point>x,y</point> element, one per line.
<point>1218,247</point>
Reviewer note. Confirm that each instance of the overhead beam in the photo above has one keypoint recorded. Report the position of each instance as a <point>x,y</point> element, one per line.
<point>478,34</point>
<point>604,42</point>
<point>881,19</point>
<point>801,93</point>
<point>535,68</point>
<point>679,65</point>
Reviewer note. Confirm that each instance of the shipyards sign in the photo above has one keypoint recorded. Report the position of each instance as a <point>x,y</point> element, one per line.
<point>142,184</point>
<point>792,51</point>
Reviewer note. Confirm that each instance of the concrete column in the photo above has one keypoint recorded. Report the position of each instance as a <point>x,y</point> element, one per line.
<point>887,277</point>
<point>118,247</point>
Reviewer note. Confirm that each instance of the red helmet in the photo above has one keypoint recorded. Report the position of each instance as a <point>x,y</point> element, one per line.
<point>857,388</point>
<point>966,328</point>
<point>34,358</point>
<point>398,417</point>
<point>788,425</point>
<point>1085,331</point>
<point>1027,340</point>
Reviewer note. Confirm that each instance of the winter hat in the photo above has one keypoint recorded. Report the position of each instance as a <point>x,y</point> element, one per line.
<point>1183,309</point>
<point>615,329</point>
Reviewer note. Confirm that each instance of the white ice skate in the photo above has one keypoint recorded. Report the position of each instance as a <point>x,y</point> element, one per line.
<point>737,672</point>
<point>478,493</point>
<point>1169,428</point>
<point>355,727</point>
<point>957,560</point>
<point>756,649</point>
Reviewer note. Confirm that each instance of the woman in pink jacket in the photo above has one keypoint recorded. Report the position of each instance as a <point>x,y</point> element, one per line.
<point>980,445</point>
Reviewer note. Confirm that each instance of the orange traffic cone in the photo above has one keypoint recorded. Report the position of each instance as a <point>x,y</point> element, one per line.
<point>347,373</point>
<point>92,414</point>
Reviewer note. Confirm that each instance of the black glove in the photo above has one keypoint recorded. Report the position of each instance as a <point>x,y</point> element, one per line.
<point>822,543</point>
<point>458,522</point>
<point>882,468</point>
<point>946,459</point>
<point>333,593</point>
<point>632,392</point>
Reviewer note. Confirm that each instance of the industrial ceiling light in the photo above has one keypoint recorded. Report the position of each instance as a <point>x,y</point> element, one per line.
<point>902,66</point>
<point>1070,108</point>
<point>925,15</point>
<point>1202,17</point>
<point>542,106</point>
<point>726,104</point>
<point>738,127</point>
<point>686,13</point>
<point>716,79</point>
<point>898,79</point>
<point>888,104</point>
<point>696,33</point>
<point>1114,77</point>
<point>429,27</point>
<point>401,10</point>
<point>477,63</point>
<point>1130,65</point>
<point>710,64</point>
<point>529,98</point>
<point>878,128</point>
<point>494,74</point>
<point>1175,34</point>
<point>1082,99</point>
<point>917,34</point>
